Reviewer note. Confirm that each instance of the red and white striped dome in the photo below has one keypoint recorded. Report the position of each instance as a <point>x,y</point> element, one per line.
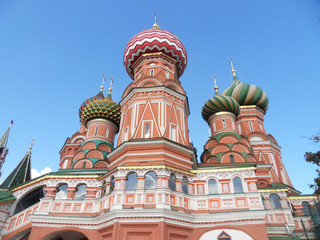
<point>151,41</point>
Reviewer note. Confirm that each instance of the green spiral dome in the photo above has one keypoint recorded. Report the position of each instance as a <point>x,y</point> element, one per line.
<point>247,94</point>
<point>101,108</point>
<point>220,103</point>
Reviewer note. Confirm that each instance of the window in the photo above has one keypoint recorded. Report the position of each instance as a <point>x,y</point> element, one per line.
<point>172,182</point>
<point>147,130</point>
<point>95,133</point>
<point>81,192</point>
<point>84,164</point>
<point>112,184</point>
<point>185,185</point>
<point>173,133</point>
<point>30,199</point>
<point>167,74</point>
<point>251,127</point>
<point>132,181</point>
<point>231,159</point>
<point>306,209</point>
<point>224,124</point>
<point>213,186</point>
<point>237,185</point>
<point>62,192</point>
<point>151,72</point>
<point>275,201</point>
<point>150,181</point>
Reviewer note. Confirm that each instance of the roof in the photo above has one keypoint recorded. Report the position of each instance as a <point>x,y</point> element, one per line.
<point>6,196</point>
<point>4,141</point>
<point>20,174</point>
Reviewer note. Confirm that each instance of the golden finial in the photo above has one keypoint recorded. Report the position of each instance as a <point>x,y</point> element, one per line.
<point>233,71</point>
<point>31,145</point>
<point>215,84</point>
<point>155,25</point>
<point>110,88</point>
<point>103,81</point>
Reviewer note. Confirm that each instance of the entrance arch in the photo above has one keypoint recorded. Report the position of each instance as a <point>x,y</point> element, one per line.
<point>66,235</point>
<point>225,234</point>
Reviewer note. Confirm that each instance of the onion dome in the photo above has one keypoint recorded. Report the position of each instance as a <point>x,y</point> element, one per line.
<point>89,100</point>
<point>101,108</point>
<point>220,103</point>
<point>247,94</point>
<point>151,41</point>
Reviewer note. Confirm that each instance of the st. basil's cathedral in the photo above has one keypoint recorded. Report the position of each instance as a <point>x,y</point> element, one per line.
<point>150,184</point>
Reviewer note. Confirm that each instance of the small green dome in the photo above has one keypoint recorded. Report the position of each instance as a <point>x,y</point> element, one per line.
<point>220,103</point>
<point>101,108</point>
<point>247,94</point>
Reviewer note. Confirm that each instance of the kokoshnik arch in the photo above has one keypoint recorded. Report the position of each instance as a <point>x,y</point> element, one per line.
<point>149,185</point>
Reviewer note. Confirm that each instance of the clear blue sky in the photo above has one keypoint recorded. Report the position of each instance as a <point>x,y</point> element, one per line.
<point>52,55</point>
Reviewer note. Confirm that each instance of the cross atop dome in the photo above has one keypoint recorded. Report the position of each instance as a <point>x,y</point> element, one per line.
<point>155,25</point>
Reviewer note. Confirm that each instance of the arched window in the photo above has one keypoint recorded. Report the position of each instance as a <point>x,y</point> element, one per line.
<point>132,181</point>
<point>151,72</point>
<point>62,191</point>
<point>231,159</point>
<point>306,209</point>
<point>30,199</point>
<point>172,182</point>
<point>112,184</point>
<point>213,186</point>
<point>237,185</point>
<point>185,185</point>
<point>81,192</point>
<point>150,181</point>
<point>275,201</point>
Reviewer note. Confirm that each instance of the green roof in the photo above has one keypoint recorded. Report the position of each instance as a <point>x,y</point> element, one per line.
<point>6,196</point>
<point>220,135</point>
<point>20,174</point>
<point>284,238</point>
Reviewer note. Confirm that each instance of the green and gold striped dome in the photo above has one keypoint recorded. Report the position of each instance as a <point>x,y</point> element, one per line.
<point>101,108</point>
<point>220,103</point>
<point>247,94</point>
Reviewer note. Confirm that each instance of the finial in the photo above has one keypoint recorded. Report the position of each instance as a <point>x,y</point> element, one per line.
<point>110,88</point>
<point>31,145</point>
<point>155,25</point>
<point>11,123</point>
<point>215,84</point>
<point>233,71</point>
<point>103,81</point>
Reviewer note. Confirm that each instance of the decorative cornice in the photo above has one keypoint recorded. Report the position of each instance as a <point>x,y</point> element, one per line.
<point>274,190</point>
<point>46,177</point>
<point>303,197</point>
<point>156,167</point>
<point>223,170</point>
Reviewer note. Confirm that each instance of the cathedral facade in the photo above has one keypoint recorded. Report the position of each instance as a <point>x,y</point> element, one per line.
<point>149,184</point>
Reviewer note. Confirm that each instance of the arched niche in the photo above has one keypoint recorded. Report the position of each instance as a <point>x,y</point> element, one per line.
<point>220,233</point>
<point>66,235</point>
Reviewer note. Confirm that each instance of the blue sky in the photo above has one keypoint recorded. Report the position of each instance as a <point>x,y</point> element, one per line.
<point>52,55</point>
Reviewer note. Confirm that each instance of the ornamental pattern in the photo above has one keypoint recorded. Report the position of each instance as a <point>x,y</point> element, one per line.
<point>152,41</point>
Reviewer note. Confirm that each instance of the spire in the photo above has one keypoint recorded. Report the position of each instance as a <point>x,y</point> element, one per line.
<point>21,174</point>
<point>31,145</point>
<point>215,85</point>
<point>233,71</point>
<point>3,145</point>
<point>103,81</point>
<point>155,25</point>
